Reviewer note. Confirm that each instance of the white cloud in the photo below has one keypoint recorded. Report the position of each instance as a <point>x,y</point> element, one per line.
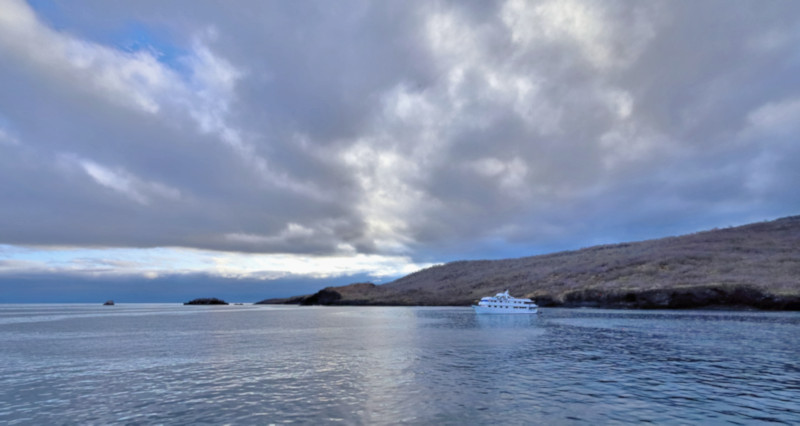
<point>133,78</point>
<point>391,130</point>
<point>292,231</point>
<point>125,183</point>
<point>165,261</point>
<point>589,25</point>
<point>476,77</point>
<point>389,197</point>
<point>202,94</point>
<point>620,101</point>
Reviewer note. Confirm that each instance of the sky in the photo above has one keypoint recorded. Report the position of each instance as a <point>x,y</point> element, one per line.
<point>157,151</point>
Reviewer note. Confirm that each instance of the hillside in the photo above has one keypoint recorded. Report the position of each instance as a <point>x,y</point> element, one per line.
<point>756,265</point>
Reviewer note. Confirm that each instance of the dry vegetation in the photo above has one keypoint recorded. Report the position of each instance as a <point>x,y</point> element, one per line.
<point>756,265</point>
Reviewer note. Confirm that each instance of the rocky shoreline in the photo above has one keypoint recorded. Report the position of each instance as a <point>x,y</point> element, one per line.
<point>754,266</point>
<point>709,297</point>
<point>678,298</point>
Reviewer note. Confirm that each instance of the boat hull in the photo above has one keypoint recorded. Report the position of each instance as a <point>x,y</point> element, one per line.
<point>503,311</point>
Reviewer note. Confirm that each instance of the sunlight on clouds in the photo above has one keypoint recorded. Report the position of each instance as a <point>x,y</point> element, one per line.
<point>203,94</point>
<point>449,35</point>
<point>116,180</point>
<point>274,266</point>
<point>586,24</point>
<point>406,105</point>
<point>620,102</point>
<point>458,50</point>
<point>475,78</point>
<point>389,198</point>
<point>132,78</point>
<point>292,231</point>
<point>212,82</point>
<point>427,129</point>
<point>123,182</point>
<point>137,78</point>
<point>556,20</point>
<point>418,122</point>
<point>156,262</point>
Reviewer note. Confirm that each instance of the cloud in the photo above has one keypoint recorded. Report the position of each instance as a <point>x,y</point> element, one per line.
<point>173,261</point>
<point>587,27</point>
<point>130,79</point>
<point>123,182</point>
<point>392,133</point>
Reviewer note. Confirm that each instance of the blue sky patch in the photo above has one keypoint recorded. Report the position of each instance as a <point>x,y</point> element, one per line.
<point>129,36</point>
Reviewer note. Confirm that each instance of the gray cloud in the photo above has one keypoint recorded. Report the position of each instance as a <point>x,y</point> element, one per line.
<point>437,130</point>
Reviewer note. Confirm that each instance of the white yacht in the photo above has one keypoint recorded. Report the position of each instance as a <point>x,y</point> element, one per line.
<point>503,303</point>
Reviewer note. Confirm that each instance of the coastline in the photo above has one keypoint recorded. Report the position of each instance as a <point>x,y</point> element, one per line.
<point>755,266</point>
<point>678,298</point>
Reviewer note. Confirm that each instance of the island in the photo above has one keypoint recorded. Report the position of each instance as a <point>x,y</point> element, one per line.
<point>206,301</point>
<point>755,266</point>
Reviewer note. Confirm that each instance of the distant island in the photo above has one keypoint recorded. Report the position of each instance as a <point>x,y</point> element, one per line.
<point>207,301</point>
<point>755,266</point>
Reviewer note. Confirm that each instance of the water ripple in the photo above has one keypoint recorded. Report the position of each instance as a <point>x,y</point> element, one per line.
<point>162,365</point>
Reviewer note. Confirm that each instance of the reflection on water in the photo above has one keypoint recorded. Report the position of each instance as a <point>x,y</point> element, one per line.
<point>506,321</point>
<point>370,365</point>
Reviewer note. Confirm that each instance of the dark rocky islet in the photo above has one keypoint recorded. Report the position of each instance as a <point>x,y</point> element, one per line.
<point>206,301</point>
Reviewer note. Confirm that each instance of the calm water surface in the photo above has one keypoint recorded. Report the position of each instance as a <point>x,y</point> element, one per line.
<point>173,364</point>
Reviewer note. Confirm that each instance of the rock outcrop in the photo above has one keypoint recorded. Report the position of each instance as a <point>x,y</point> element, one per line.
<point>206,301</point>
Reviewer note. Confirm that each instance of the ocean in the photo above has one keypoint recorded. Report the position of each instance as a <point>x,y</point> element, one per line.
<point>252,364</point>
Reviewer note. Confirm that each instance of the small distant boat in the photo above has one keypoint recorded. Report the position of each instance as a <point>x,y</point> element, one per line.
<point>109,303</point>
<point>503,303</point>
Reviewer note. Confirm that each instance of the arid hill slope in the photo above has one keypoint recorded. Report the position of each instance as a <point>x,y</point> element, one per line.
<point>756,265</point>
